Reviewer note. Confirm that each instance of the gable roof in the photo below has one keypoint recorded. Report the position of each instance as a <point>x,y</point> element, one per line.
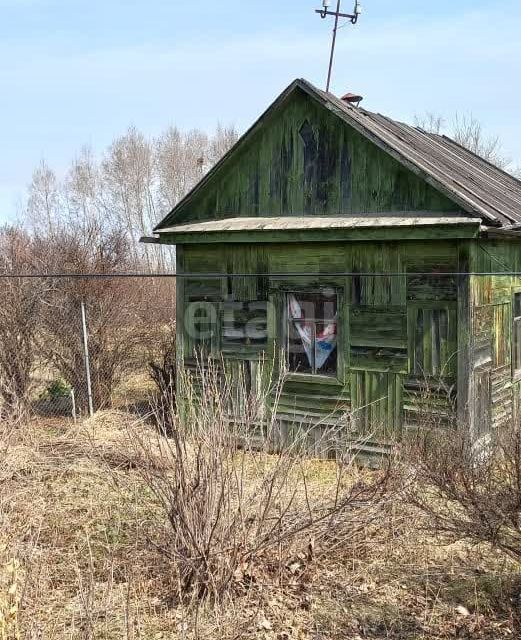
<point>477,186</point>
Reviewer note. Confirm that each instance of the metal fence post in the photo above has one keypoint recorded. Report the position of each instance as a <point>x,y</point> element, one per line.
<point>87,362</point>
<point>73,399</point>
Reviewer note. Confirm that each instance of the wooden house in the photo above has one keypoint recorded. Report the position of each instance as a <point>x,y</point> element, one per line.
<point>375,259</point>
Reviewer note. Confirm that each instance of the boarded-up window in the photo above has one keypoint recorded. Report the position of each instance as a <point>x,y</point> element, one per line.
<point>312,332</point>
<point>483,330</point>
<point>432,341</point>
<point>243,327</point>
<point>501,337</point>
<point>200,327</point>
<point>516,335</point>
<point>378,338</point>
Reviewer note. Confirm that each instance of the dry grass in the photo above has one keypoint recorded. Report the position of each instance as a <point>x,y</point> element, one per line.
<point>78,529</point>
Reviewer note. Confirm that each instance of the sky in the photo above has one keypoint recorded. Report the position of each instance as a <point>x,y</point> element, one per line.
<point>78,72</point>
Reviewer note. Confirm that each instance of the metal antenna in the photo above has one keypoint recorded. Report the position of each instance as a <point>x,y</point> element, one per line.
<point>352,17</point>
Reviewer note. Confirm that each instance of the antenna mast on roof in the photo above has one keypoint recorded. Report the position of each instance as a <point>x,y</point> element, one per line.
<point>352,17</point>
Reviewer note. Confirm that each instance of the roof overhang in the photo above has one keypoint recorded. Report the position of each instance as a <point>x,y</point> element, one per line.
<point>319,229</point>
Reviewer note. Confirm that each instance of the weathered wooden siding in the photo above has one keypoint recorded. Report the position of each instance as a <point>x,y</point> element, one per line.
<point>495,393</point>
<point>402,338</point>
<point>412,343</point>
<point>397,333</point>
<point>306,161</point>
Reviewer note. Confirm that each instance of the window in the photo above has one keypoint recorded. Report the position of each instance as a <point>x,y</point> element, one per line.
<point>312,332</point>
<point>516,335</point>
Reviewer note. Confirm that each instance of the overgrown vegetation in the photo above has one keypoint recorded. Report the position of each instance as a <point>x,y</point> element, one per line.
<point>469,492</point>
<point>237,515</point>
<point>19,315</point>
<point>89,222</point>
<point>116,309</point>
<point>162,366</point>
<point>132,534</point>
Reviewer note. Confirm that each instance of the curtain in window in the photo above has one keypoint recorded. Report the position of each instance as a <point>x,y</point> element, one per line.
<point>322,341</point>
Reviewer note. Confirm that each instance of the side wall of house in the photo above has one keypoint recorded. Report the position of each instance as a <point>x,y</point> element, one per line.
<point>397,333</point>
<point>495,389</point>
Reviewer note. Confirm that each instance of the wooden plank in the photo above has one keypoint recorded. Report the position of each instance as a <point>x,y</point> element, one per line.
<point>439,232</point>
<point>378,327</point>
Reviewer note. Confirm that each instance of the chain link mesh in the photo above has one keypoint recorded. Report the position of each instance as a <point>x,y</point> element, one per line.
<point>57,361</point>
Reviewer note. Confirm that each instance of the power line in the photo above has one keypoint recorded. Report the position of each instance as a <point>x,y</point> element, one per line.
<point>285,274</point>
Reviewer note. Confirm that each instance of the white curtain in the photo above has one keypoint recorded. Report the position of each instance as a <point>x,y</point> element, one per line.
<point>325,341</point>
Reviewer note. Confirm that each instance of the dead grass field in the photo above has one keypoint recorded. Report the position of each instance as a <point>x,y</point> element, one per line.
<point>79,559</point>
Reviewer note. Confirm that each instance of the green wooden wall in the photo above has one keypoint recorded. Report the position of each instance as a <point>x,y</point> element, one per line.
<point>398,335</point>
<point>494,391</point>
<point>304,160</point>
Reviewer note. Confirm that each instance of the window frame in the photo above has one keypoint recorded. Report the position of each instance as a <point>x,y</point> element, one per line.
<point>335,377</point>
<point>516,321</point>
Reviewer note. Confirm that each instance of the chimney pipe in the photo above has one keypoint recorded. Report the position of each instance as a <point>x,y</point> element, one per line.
<point>352,98</point>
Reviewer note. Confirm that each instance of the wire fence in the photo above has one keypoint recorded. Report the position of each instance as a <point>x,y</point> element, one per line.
<point>70,346</point>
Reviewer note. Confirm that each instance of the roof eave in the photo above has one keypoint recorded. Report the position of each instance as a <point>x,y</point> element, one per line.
<point>287,236</point>
<point>501,233</point>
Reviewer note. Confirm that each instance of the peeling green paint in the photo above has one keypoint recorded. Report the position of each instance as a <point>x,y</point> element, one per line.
<point>305,161</point>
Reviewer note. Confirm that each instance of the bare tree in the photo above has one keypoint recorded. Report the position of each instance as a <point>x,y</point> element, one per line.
<point>44,203</point>
<point>128,175</point>
<point>430,122</point>
<point>223,140</point>
<point>180,160</point>
<point>467,131</point>
<point>84,194</point>
<point>129,189</point>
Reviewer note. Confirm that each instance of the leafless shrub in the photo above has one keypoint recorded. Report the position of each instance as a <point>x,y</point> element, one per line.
<point>469,492</point>
<point>21,303</point>
<point>117,330</point>
<point>236,514</point>
<point>163,368</point>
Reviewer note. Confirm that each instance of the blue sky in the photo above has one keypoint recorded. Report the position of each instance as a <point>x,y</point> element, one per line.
<point>75,72</point>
